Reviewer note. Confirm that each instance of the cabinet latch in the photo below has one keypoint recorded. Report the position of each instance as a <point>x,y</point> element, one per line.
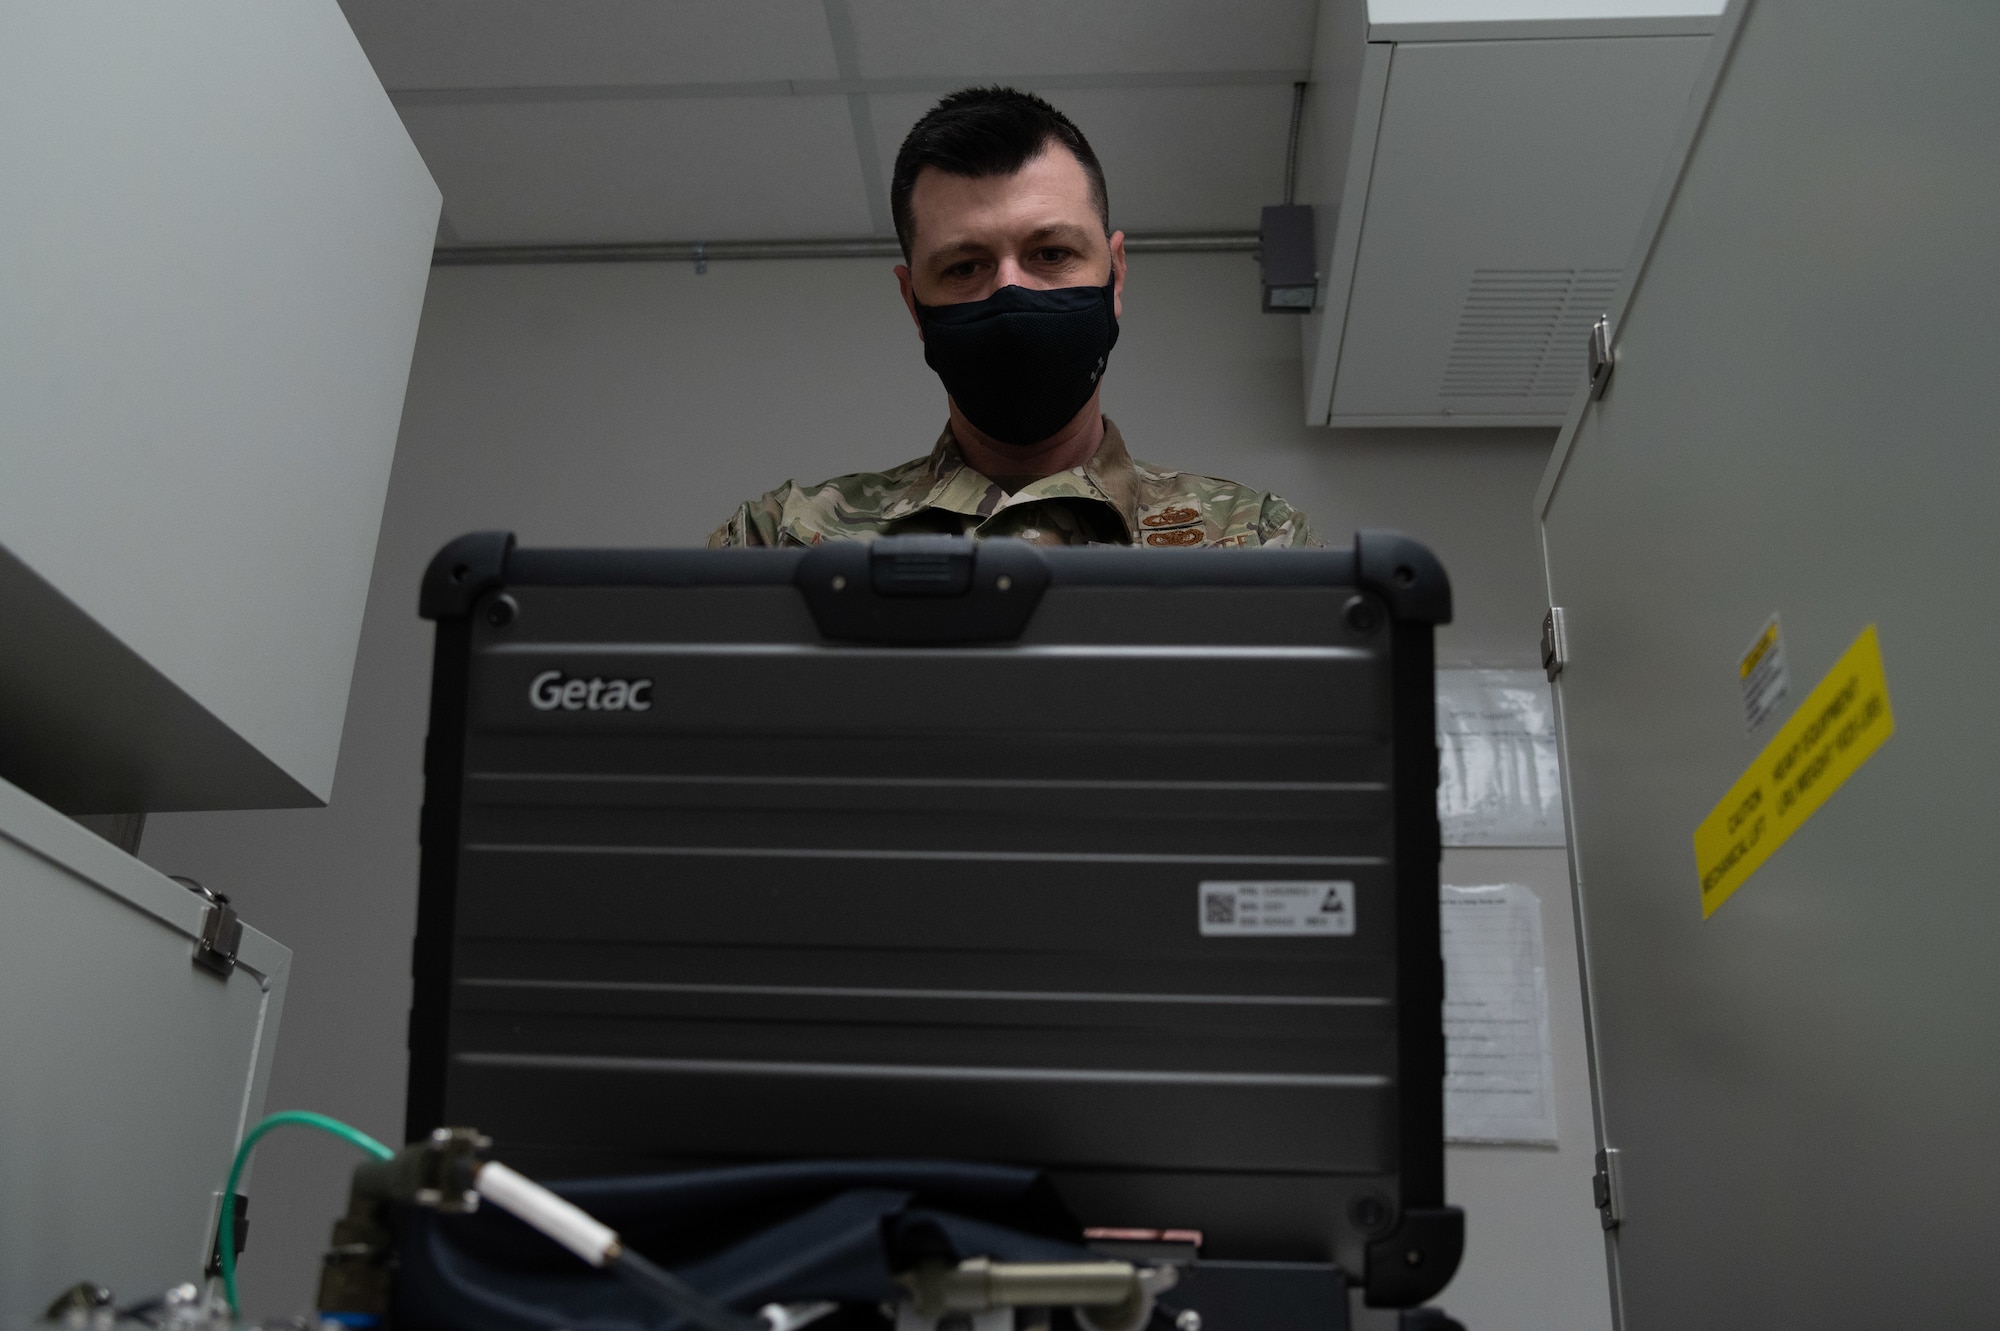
<point>221,931</point>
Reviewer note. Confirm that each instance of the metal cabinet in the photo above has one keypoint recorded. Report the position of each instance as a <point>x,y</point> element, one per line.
<point>1479,173</point>
<point>128,1070</point>
<point>215,236</point>
<point>1799,420</point>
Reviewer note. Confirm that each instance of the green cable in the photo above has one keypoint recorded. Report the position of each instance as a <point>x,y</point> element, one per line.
<point>225,1233</point>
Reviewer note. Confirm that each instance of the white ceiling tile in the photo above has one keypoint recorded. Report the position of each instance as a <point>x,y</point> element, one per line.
<point>1175,159</point>
<point>1001,38</point>
<point>749,168</point>
<point>535,43</point>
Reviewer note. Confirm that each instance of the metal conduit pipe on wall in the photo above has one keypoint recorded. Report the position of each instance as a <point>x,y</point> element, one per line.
<point>863,247</point>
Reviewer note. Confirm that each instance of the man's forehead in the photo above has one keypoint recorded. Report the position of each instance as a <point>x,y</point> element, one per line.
<point>1051,193</point>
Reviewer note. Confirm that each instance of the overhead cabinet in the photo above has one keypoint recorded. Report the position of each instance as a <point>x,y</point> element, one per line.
<point>1478,184</point>
<point>214,241</point>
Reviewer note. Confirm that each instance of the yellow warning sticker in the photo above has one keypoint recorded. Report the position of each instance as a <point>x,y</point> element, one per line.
<point>1838,725</point>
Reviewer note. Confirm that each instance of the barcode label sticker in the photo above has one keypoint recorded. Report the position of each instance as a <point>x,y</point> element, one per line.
<point>1764,676</point>
<point>1277,909</point>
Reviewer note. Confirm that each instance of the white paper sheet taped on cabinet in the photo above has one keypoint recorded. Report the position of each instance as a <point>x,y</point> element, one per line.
<point>1499,783</point>
<point>1499,1082</point>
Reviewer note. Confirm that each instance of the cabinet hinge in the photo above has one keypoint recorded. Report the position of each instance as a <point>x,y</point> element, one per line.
<point>1600,356</point>
<point>1555,643</point>
<point>1606,1191</point>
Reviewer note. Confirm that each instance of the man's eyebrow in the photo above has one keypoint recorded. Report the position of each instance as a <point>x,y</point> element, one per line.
<point>1058,231</point>
<point>1067,232</point>
<point>961,248</point>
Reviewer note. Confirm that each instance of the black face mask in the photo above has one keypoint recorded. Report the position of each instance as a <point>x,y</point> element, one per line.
<point>1021,363</point>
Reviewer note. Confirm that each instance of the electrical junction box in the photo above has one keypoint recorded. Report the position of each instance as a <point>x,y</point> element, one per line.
<point>135,1059</point>
<point>1290,259</point>
<point>215,237</point>
<point>1480,172</point>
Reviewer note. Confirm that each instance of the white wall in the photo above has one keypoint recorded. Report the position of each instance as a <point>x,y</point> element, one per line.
<point>637,404</point>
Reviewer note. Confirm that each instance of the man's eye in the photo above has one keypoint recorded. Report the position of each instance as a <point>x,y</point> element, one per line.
<point>961,270</point>
<point>1052,254</point>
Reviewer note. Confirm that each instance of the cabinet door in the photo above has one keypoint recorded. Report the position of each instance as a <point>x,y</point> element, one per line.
<point>1801,422</point>
<point>130,1073</point>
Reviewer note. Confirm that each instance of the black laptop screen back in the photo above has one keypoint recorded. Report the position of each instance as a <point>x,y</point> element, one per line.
<point>1126,897</point>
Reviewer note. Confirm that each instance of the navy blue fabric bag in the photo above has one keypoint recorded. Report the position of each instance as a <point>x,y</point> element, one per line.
<point>748,1236</point>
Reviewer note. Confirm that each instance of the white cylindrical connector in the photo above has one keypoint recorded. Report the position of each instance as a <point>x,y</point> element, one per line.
<point>546,1213</point>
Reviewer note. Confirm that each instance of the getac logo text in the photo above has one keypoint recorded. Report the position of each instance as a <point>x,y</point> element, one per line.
<point>549,692</point>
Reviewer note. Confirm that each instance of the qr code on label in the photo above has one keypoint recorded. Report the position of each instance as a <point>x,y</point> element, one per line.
<point>1279,908</point>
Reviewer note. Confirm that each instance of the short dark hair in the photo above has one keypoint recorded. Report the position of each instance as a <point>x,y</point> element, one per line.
<point>979,132</point>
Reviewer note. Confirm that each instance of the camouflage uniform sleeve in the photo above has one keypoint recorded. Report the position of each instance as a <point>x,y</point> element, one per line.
<point>753,523</point>
<point>1281,525</point>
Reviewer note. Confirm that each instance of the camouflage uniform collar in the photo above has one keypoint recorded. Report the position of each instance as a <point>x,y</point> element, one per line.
<point>948,482</point>
<point>1112,498</point>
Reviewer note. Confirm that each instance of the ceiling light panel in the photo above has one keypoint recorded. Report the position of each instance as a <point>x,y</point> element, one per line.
<point>1013,38</point>
<point>741,168</point>
<point>591,43</point>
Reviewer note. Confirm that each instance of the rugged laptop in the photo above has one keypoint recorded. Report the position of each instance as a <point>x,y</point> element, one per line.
<point>1118,863</point>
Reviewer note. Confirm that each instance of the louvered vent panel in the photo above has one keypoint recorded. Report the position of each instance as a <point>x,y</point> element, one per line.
<point>1521,331</point>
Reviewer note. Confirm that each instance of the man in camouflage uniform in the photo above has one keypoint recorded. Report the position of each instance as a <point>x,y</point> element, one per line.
<point>1001,209</point>
<point>1111,500</point>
